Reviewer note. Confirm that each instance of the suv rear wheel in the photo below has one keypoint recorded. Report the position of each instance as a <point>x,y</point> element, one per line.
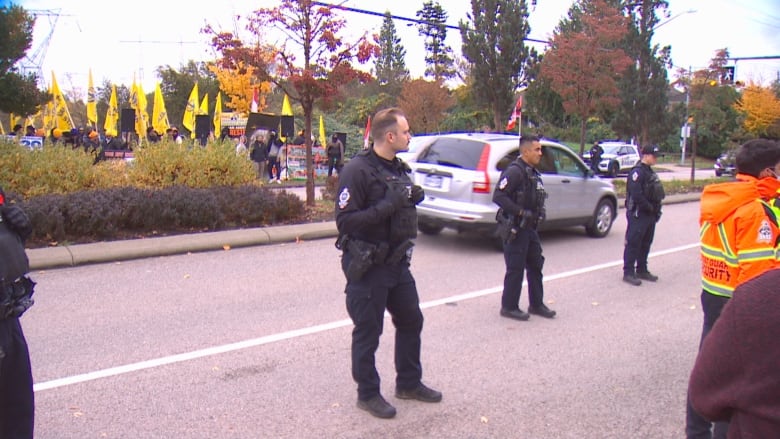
<point>603,218</point>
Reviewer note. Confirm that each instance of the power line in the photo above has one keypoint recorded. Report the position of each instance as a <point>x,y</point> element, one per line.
<point>398,17</point>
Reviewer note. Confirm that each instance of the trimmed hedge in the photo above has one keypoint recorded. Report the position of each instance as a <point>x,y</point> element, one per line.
<point>119,213</point>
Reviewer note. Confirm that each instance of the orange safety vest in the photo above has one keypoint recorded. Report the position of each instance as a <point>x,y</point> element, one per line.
<point>739,233</point>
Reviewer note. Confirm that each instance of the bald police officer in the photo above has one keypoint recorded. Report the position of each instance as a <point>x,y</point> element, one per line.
<point>377,220</point>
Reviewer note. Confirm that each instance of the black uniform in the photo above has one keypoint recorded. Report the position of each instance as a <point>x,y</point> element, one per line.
<point>644,193</point>
<point>595,157</point>
<point>16,384</point>
<point>376,219</point>
<point>520,196</point>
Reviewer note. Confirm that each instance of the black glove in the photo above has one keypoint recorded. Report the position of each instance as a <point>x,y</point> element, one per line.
<point>527,218</point>
<point>658,215</point>
<point>17,220</point>
<point>542,215</point>
<point>396,197</point>
<point>417,195</point>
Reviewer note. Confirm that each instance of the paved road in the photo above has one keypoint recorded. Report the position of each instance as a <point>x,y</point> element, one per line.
<point>254,343</point>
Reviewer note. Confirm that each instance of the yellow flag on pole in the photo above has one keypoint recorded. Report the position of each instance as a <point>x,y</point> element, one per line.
<point>203,109</point>
<point>159,114</point>
<point>286,108</point>
<point>189,112</point>
<point>92,115</point>
<point>141,114</point>
<point>62,119</point>
<point>218,115</point>
<point>204,105</point>
<point>323,137</point>
<point>112,114</point>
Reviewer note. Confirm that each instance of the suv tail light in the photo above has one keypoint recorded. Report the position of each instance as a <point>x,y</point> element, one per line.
<point>482,181</point>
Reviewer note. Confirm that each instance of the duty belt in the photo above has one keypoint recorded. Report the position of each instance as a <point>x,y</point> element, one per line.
<point>16,297</point>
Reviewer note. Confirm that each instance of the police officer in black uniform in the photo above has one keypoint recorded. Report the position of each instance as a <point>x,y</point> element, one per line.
<point>520,196</point>
<point>644,193</point>
<point>377,219</point>
<point>16,384</point>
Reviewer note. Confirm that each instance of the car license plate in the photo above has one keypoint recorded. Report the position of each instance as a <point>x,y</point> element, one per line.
<point>433,181</point>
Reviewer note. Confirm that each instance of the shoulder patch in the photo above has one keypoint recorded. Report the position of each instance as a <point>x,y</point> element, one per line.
<point>635,175</point>
<point>764,232</point>
<point>502,184</point>
<point>344,198</point>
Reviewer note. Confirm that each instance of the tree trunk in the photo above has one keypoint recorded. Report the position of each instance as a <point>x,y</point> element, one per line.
<point>583,126</point>
<point>307,110</point>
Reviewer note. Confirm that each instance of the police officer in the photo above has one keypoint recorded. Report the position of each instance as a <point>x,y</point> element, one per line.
<point>520,196</point>
<point>377,219</point>
<point>644,193</point>
<point>16,384</point>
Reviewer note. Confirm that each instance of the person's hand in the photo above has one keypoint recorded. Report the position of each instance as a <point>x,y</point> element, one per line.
<point>658,215</point>
<point>15,217</point>
<point>417,194</point>
<point>397,195</point>
<point>542,215</point>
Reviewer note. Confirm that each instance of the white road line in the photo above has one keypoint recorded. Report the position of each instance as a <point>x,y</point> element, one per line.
<point>216,350</point>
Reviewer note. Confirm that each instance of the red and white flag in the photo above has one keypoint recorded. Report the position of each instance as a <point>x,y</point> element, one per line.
<point>367,134</point>
<point>517,115</point>
<point>255,100</point>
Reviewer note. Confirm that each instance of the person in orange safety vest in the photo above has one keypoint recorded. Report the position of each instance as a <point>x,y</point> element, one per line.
<point>739,233</point>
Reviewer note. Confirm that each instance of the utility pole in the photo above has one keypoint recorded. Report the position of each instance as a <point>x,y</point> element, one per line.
<point>686,128</point>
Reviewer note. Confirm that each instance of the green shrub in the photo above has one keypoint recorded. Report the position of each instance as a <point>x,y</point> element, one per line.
<point>52,170</point>
<point>164,164</point>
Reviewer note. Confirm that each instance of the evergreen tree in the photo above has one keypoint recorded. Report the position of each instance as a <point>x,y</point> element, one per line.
<point>19,93</point>
<point>433,26</point>
<point>643,111</point>
<point>390,66</point>
<point>494,45</point>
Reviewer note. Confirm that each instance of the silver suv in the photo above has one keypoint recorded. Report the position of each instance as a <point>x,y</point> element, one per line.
<point>459,173</point>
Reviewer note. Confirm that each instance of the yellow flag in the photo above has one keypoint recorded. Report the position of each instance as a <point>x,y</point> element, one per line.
<point>91,101</point>
<point>323,138</point>
<point>14,120</point>
<point>62,118</point>
<point>141,114</point>
<point>218,115</point>
<point>159,114</point>
<point>189,111</point>
<point>112,113</point>
<point>48,117</point>
<point>286,108</point>
<point>204,105</point>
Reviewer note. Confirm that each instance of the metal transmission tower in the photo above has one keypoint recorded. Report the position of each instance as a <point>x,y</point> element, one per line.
<point>33,61</point>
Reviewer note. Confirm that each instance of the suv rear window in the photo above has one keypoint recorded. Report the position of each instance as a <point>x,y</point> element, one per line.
<point>457,153</point>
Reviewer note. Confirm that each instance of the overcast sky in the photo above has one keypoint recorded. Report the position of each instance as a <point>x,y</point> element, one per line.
<point>118,40</point>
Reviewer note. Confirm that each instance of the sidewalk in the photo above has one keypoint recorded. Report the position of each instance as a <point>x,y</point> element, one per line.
<point>82,254</point>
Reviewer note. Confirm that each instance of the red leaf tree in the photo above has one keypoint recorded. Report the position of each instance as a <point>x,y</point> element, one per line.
<point>585,60</point>
<point>311,32</point>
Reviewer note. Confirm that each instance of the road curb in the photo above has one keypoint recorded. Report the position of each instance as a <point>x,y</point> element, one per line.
<point>101,252</point>
<point>114,251</point>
